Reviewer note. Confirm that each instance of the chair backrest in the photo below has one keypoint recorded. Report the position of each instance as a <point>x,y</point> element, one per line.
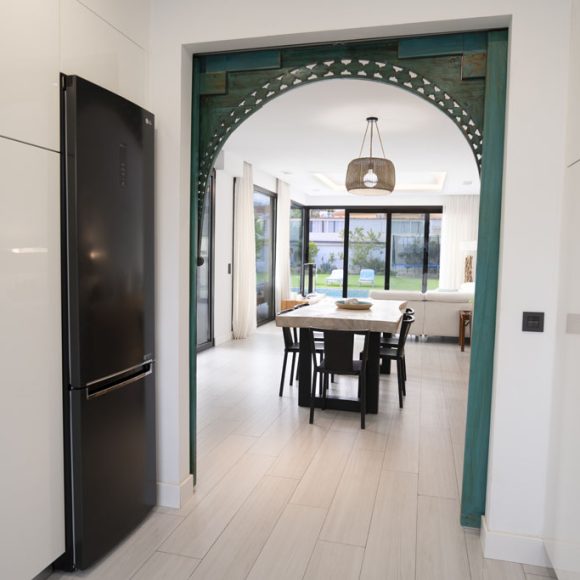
<point>338,350</point>
<point>367,273</point>
<point>408,320</point>
<point>336,274</point>
<point>288,339</point>
<point>410,311</point>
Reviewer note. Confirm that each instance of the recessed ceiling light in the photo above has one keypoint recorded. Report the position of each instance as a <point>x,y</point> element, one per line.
<point>330,182</point>
<point>469,182</point>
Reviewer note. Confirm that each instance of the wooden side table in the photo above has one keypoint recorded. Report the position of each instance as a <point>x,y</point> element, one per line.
<point>464,322</point>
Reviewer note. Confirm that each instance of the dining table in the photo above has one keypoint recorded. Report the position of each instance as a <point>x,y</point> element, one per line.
<point>382,316</point>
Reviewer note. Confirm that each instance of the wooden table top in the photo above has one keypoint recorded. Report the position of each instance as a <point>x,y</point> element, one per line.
<point>383,316</point>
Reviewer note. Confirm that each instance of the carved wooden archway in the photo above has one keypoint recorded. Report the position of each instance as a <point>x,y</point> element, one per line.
<point>465,76</point>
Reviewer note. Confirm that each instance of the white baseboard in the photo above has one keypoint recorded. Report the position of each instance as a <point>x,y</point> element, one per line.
<point>222,339</point>
<point>512,547</point>
<point>172,495</point>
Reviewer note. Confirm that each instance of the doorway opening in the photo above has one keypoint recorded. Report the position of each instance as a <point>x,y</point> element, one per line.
<point>454,77</point>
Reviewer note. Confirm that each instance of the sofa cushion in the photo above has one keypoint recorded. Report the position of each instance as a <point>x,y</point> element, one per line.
<point>408,295</point>
<point>436,296</point>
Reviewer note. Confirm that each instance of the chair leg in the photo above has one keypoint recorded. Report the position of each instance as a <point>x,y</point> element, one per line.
<point>312,396</point>
<point>404,364</point>
<point>292,371</point>
<point>400,381</point>
<point>363,400</point>
<point>283,373</point>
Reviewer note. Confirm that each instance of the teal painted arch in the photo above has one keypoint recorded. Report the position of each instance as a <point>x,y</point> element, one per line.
<point>339,68</point>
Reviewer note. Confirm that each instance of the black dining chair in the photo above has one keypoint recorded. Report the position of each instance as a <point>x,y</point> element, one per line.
<point>397,353</point>
<point>292,346</point>
<point>389,339</point>
<point>337,359</point>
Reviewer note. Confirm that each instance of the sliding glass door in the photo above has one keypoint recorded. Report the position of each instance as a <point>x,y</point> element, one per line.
<point>265,225</point>
<point>296,246</point>
<point>367,235</point>
<point>407,251</point>
<point>357,250</point>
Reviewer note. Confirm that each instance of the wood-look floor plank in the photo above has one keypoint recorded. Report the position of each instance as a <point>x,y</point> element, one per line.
<point>391,544</point>
<point>334,562</point>
<point>296,456</point>
<point>319,483</point>
<point>289,548</point>
<point>351,510</point>
<point>208,519</point>
<point>402,451</point>
<point>131,554</point>
<point>539,571</point>
<point>213,467</point>
<point>278,435</point>
<point>441,548</point>
<point>166,567</point>
<point>499,570</point>
<point>236,550</point>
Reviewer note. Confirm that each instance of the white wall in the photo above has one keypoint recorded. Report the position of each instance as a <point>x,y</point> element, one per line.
<point>563,501</point>
<point>105,42</point>
<point>523,375</point>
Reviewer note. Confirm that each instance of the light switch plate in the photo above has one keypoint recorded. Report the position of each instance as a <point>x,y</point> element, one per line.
<point>533,322</point>
<point>573,323</point>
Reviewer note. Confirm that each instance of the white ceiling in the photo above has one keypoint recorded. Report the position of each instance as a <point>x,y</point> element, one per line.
<point>318,129</point>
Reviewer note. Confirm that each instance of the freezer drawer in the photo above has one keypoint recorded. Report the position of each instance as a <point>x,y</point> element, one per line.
<point>114,465</point>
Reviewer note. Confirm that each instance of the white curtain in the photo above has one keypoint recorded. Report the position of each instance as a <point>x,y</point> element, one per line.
<point>282,284</point>
<point>459,226</point>
<point>244,307</point>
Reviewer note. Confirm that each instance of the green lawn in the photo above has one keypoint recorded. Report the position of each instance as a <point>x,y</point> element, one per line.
<point>397,283</point>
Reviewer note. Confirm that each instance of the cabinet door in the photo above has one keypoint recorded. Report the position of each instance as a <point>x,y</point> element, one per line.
<point>31,437</point>
<point>29,68</point>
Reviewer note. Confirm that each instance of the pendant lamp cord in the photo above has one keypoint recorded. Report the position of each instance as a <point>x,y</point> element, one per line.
<point>380,140</point>
<point>372,124</point>
<point>364,139</point>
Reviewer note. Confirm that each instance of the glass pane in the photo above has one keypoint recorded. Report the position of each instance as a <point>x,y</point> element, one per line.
<point>296,243</point>
<point>434,251</point>
<point>325,248</point>
<point>366,253</point>
<point>407,247</point>
<point>264,224</point>
<point>204,277</point>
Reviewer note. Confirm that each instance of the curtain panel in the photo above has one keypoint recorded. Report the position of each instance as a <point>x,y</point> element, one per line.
<point>458,230</point>
<point>282,284</point>
<point>244,305</point>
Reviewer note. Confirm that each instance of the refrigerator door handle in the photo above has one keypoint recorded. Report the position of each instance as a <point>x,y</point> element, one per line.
<point>109,378</point>
<point>147,370</point>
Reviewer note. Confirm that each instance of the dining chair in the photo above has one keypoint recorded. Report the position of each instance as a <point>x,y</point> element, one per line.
<point>337,359</point>
<point>396,352</point>
<point>389,339</point>
<point>292,346</point>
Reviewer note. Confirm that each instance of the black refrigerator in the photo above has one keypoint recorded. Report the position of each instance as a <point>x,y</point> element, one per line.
<point>108,313</point>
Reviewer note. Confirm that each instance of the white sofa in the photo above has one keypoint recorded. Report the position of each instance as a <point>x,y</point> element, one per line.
<point>436,311</point>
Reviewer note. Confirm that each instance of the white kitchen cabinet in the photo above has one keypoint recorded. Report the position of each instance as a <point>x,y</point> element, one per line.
<point>29,69</point>
<point>31,422</point>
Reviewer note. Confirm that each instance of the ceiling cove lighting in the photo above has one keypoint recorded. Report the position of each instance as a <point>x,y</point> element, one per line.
<point>370,175</point>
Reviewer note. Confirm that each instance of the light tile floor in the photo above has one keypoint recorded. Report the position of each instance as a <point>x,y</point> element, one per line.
<point>279,499</point>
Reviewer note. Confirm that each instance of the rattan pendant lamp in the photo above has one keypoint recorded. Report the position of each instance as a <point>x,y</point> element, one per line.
<point>370,175</point>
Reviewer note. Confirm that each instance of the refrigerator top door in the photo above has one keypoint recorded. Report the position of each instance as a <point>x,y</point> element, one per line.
<point>109,218</point>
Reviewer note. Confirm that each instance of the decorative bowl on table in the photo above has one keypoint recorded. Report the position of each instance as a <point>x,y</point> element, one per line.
<point>353,304</point>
